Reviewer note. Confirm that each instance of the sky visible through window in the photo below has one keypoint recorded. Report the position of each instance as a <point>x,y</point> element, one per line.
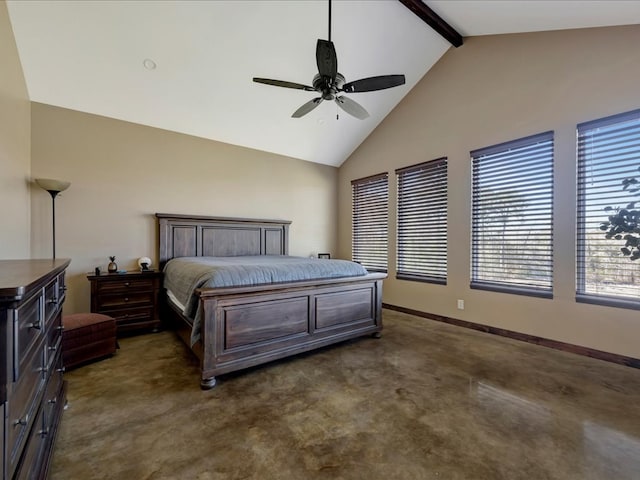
<point>607,154</point>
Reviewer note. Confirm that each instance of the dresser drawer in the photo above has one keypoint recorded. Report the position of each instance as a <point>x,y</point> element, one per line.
<point>54,328</point>
<point>50,300</point>
<point>128,300</point>
<point>52,352</point>
<point>123,285</point>
<point>53,394</point>
<point>62,288</point>
<point>32,459</point>
<point>28,330</point>
<point>24,402</point>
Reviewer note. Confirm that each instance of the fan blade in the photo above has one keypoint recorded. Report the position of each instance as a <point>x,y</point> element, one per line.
<point>326,59</point>
<point>373,83</point>
<point>307,107</point>
<point>352,108</point>
<point>282,83</point>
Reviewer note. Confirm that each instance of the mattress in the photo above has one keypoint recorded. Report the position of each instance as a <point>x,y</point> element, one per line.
<point>184,275</point>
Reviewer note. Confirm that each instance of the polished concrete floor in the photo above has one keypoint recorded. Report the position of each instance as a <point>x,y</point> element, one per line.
<point>426,401</point>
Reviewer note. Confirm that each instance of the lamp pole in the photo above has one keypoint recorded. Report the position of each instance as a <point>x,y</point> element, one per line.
<point>53,209</point>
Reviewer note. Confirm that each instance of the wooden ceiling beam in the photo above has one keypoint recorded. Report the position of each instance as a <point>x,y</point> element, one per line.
<point>434,21</point>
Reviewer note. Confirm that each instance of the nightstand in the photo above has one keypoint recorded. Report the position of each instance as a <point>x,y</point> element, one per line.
<point>131,298</point>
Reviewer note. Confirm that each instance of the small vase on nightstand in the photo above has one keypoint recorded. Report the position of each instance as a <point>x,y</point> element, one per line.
<point>113,266</point>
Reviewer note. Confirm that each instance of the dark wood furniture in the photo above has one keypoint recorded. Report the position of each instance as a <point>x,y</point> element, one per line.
<point>131,298</point>
<point>87,337</point>
<point>32,394</point>
<point>246,326</point>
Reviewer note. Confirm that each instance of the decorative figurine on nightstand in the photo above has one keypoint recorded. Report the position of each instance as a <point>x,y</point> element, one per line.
<point>144,263</point>
<point>113,266</point>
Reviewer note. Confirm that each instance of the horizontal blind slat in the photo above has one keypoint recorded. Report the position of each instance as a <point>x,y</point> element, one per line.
<point>422,222</point>
<point>370,198</point>
<point>512,214</point>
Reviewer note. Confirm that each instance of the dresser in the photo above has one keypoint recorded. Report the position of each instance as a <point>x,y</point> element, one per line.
<point>130,297</point>
<point>32,390</point>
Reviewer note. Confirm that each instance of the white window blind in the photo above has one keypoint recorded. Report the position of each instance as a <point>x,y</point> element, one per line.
<point>370,221</point>
<point>608,155</point>
<point>422,222</point>
<point>512,217</point>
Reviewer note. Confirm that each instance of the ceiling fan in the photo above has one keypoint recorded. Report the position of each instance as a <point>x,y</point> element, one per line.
<point>330,84</point>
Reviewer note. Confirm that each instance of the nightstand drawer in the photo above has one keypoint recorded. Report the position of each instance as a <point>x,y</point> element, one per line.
<point>125,285</point>
<point>132,315</point>
<point>131,299</point>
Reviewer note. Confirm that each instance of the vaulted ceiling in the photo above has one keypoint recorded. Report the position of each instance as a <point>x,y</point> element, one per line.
<point>187,66</point>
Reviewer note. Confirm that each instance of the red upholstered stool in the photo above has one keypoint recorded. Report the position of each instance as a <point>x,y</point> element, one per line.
<point>86,337</point>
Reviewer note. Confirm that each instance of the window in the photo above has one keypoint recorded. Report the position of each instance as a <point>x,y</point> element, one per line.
<point>512,217</point>
<point>370,221</point>
<point>422,222</point>
<point>608,154</point>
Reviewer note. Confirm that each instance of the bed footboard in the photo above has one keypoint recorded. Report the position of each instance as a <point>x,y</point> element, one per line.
<point>251,326</point>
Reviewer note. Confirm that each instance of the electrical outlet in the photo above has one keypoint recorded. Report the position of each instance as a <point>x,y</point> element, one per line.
<point>460,304</point>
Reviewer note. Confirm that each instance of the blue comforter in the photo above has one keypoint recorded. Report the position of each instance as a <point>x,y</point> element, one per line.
<point>182,276</point>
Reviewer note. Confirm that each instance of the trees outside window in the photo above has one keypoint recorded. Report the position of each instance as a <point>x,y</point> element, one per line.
<point>512,217</point>
<point>608,269</point>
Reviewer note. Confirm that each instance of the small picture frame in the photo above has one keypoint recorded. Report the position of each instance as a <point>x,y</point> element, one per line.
<point>324,256</point>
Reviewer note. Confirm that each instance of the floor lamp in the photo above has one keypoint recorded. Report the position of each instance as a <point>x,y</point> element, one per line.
<point>54,187</point>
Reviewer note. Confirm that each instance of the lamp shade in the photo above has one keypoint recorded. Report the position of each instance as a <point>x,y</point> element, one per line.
<point>54,187</point>
<point>144,261</point>
<point>51,185</point>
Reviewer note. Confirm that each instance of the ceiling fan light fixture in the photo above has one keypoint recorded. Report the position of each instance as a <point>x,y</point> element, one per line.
<point>329,83</point>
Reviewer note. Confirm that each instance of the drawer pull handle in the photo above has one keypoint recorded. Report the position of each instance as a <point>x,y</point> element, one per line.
<point>44,433</point>
<point>35,326</point>
<point>61,327</point>
<point>53,301</point>
<point>64,289</point>
<point>126,299</point>
<point>127,284</point>
<point>53,401</point>
<point>53,349</point>
<point>22,421</point>
<point>61,369</point>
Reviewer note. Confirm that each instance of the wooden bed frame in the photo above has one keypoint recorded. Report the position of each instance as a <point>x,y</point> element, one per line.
<point>247,326</point>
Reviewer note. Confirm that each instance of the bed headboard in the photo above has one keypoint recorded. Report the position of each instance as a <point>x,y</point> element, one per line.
<point>198,236</point>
